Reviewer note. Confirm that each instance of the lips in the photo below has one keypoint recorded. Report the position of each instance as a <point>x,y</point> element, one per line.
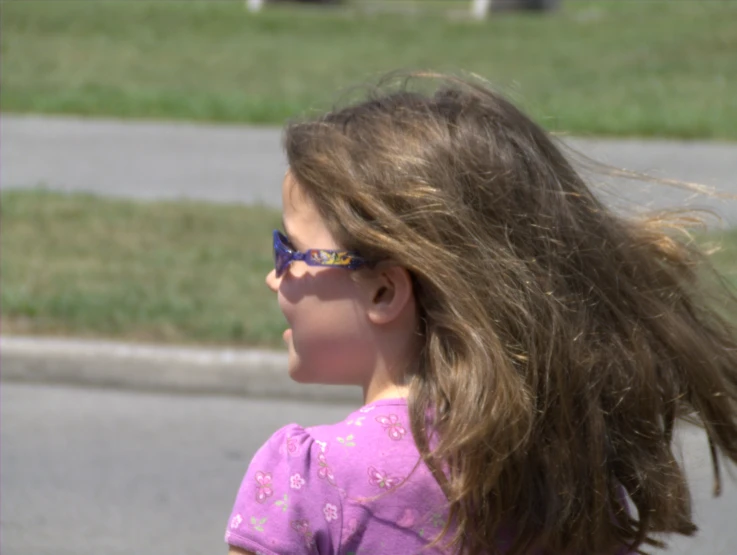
<point>287,335</point>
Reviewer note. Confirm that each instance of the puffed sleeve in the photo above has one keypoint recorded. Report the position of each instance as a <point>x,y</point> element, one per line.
<point>288,502</point>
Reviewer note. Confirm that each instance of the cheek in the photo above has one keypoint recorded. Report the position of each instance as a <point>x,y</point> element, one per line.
<point>319,299</point>
<point>332,345</point>
<point>286,307</point>
<point>321,327</point>
<point>332,323</point>
<point>330,332</point>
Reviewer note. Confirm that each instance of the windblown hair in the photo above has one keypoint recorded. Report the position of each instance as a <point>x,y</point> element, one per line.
<point>560,341</point>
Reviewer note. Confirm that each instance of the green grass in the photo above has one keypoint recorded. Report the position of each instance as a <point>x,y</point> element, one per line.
<point>604,67</point>
<point>172,272</point>
<point>176,272</point>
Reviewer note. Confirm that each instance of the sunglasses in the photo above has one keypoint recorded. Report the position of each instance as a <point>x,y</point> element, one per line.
<point>285,254</point>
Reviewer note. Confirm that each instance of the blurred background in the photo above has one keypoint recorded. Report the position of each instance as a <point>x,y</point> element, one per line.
<point>140,168</point>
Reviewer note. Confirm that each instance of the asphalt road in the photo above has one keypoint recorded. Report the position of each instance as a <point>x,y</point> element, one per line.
<point>100,472</point>
<point>90,472</point>
<point>229,163</point>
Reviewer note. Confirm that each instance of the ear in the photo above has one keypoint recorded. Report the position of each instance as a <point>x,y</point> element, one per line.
<point>389,295</point>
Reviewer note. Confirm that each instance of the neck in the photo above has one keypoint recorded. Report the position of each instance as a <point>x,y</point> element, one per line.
<point>375,392</point>
<point>389,378</point>
<point>398,346</point>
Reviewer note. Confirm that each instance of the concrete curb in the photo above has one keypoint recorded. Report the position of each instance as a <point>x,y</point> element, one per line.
<point>155,368</point>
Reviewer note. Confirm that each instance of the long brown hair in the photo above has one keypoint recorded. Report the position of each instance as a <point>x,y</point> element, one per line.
<point>561,341</point>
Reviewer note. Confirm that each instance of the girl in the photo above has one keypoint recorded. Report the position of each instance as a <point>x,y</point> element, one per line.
<point>524,352</point>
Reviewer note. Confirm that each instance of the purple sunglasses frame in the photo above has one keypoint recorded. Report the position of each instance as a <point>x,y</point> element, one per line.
<point>284,255</point>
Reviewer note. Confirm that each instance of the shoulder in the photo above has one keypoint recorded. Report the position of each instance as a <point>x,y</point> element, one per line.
<point>373,440</point>
<point>284,461</point>
<point>290,441</point>
<point>387,495</point>
<point>380,425</point>
<point>301,487</point>
<point>284,505</point>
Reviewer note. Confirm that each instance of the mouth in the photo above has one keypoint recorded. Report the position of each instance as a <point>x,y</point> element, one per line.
<point>287,335</point>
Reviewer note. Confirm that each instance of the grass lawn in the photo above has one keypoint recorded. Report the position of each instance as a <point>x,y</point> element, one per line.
<point>608,67</point>
<point>172,272</point>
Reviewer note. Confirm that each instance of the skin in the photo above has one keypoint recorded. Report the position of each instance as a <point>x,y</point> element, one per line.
<point>346,327</point>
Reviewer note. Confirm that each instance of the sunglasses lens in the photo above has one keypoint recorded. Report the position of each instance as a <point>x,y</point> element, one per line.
<point>282,255</point>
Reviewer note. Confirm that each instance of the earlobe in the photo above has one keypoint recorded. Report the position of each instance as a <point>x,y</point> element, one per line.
<point>391,295</point>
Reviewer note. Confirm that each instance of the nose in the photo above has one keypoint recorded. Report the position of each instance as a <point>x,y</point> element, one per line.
<point>272,282</point>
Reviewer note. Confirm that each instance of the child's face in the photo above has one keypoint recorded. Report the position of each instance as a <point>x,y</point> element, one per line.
<point>330,339</point>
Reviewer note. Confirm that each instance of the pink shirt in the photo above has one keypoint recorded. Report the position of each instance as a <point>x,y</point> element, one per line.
<point>328,489</point>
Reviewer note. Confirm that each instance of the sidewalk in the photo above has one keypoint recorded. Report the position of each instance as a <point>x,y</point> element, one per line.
<point>148,160</point>
<point>176,370</point>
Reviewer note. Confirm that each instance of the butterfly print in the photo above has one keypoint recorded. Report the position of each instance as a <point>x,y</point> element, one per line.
<point>263,479</point>
<point>392,426</point>
<point>292,446</point>
<point>378,478</point>
<point>325,472</point>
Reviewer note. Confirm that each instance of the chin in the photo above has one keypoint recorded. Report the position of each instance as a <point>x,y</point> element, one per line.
<point>301,374</point>
<point>301,377</point>
<point>304,377</point>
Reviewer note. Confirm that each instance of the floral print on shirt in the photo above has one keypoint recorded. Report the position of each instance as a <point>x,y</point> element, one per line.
<point>344,488</point>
